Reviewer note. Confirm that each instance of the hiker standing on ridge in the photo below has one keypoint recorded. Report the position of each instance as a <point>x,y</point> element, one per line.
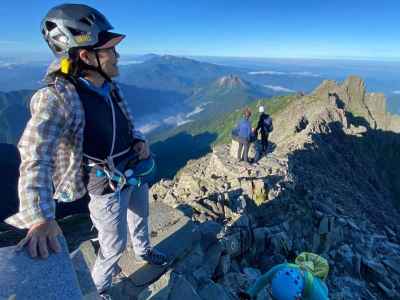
<point>264,126</point>
<point>80,138</point>
<point>243,135</point>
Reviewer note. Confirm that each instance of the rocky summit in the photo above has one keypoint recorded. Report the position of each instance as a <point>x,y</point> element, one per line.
<point>329,185</point>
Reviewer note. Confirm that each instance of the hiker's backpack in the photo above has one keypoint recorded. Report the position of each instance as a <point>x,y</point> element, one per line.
<point>267,124</point>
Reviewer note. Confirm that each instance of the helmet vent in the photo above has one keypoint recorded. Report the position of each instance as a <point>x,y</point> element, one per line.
<point>61,38</point>
<point>86,21</point>
<point>57,49</point>
<point>92,17</point>
<point>100,18</point>
<point>50,25</point>
<point>74,31</point>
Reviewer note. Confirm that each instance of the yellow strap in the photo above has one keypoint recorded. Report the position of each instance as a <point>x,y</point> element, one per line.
<point>65,65</point>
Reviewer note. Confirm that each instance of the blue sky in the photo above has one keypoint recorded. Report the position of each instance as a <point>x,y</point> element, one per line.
<point>264,28</point>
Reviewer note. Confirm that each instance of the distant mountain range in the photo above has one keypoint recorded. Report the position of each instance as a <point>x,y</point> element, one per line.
<point>14,114</point>
<point>166,89</point>
<point>166,72</point>
<point>168,94</point>
<point>15,77</point>
<point>174,73</point>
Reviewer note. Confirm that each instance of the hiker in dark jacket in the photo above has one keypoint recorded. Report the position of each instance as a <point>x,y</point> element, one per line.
<point>264,126</point>
<point>243,134</point>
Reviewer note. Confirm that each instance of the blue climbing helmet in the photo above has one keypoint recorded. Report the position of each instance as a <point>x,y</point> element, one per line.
<point>288,284</point>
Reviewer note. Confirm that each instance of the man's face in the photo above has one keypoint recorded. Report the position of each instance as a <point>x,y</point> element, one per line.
<point>108,60</point>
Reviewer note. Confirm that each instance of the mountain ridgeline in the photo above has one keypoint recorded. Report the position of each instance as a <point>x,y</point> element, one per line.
<point>329,185</point>
<point>226,94</point>
<point>172,73</point>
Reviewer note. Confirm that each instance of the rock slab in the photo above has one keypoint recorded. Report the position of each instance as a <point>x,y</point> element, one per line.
<point>22,277</point>
<point>83,260</point>
<point>172,233</point>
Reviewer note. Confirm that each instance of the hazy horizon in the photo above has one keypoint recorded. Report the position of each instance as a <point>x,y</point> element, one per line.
<point>27,57</point>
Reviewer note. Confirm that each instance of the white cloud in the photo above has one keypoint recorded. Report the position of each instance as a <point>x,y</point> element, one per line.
<point>177,120</point>
<point>129,62</point>
<point>396,92</point>
<point>278,88</point>
<point>146,128</point>
<point>267,73</point>
<point>146,125</point>
<point>6,65</point>
<point>184,122</point>
<point>304,73</point>
<point>197,110</point>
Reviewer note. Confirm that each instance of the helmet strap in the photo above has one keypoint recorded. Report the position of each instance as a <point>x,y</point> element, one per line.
<point>84,66</point>
<point>99,69</point>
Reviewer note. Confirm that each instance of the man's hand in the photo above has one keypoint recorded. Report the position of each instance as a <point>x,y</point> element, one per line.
<point>40,238</point>
<point>142,149</point>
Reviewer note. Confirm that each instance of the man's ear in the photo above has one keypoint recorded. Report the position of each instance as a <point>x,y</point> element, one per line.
<point>87,57</point>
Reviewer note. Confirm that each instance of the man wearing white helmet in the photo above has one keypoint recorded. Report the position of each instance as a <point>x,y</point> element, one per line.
<point>79,139</point>
<point>264,126</point>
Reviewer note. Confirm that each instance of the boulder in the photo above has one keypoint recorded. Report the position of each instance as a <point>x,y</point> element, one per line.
<point>224,265</point>
<point>234,149</point>
<point>393,264</point>
<point>252,274</point>
<point>83,260</point>
<point>346,256</point>
<point>172,232</point>
<point>170,286</point>
<point>209,231</point>
<point>22,277</point>
<point>214,291</point>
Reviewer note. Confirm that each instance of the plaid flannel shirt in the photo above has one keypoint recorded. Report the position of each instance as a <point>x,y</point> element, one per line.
<point>51,149</point>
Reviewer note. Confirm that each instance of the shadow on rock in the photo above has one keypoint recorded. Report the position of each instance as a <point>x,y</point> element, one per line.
<point>173,153</point>
<point>343,203</point>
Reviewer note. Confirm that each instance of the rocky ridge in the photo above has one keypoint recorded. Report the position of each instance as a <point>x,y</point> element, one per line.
<point>326,187</point>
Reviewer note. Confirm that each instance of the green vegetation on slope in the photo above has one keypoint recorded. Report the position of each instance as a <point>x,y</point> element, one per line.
<point>223,124</point>
<point>194,140</point>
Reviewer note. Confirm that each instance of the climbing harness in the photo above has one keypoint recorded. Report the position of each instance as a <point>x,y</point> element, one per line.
<point>106,167</point>
<point>130,171</point>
